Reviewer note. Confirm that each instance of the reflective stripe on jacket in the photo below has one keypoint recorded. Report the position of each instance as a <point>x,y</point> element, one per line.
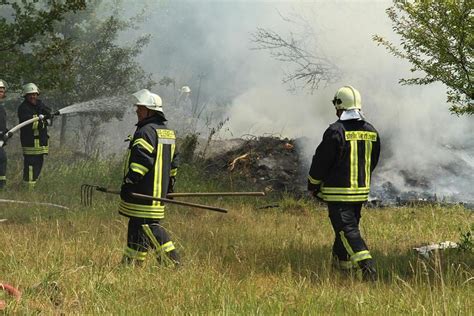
<point>343,163</point>
<point>34,137</point>
<point>151,161</point>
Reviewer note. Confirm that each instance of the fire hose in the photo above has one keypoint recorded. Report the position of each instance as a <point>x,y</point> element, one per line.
<point>10,132</point>
<point>87,189</point>
<point>34,203</point>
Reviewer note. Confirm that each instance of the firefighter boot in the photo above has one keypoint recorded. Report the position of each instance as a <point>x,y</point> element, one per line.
<point>170,258</point>
<point>368,271</point>
<point>174,256</point>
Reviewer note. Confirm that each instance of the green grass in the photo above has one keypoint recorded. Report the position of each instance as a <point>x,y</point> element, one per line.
<point>249,261</point>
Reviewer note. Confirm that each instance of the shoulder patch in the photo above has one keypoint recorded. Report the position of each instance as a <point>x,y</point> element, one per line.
<point>360,135</point>
<point>166,133</point>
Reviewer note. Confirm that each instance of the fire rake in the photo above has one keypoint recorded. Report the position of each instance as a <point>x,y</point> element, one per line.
<point>87,190</point>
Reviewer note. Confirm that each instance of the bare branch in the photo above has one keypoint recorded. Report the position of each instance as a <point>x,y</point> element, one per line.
<point>306,68</point>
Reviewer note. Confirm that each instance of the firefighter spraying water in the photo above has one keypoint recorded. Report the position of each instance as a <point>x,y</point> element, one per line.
<point>34,138</point>
<point>34,119</point>
<point>109,104</point>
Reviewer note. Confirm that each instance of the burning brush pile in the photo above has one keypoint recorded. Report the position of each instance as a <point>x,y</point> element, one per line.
<point>271,163</point>
<point>279,165</point>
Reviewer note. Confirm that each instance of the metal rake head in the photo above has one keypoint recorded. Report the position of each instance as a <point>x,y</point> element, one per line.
<point>86,194</point>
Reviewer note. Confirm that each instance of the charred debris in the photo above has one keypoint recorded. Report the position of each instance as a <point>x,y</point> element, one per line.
<point>277,165</point>
<point>271,164</point>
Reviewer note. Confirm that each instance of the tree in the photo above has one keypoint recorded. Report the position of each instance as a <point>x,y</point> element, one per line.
<point>95,65</point>
<point>437,38</point>
<point>100,66</point>
<point>21,24</point>
<point>71,49</point>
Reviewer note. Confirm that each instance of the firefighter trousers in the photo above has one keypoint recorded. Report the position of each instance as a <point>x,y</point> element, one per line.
<point>32,168</point>
<point>3,168</point>
<point>349,248</point>
<point>147,234</point>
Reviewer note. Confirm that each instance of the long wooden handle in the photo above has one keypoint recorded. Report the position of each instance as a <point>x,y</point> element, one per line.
<point>186,194</point>
<point>206,207</point>
<point>196,194</point>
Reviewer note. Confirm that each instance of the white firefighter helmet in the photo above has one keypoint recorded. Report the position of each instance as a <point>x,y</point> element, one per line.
<point>30,88</point>
<point>347,98</point>
<point>3,84</point>
<point>149,100</point>
<point>185,89</point>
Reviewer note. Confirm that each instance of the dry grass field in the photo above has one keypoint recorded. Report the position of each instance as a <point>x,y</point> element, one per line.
<point>249,261</point>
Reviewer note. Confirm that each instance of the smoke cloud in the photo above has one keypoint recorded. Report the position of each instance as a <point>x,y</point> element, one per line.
<point>206,45</point>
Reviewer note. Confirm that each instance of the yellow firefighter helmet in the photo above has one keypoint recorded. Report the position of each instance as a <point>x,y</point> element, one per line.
<point>347,98</point>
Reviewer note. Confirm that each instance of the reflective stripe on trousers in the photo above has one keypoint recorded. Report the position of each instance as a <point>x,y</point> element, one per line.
<point>32,166</point>
<point>146,234</point>
<point>348,243</point>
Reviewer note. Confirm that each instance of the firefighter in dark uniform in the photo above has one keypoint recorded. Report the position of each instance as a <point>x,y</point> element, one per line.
<point>3,130</point>
<point>340,175</point>
<point>34,137</point>
<point>150,169</point>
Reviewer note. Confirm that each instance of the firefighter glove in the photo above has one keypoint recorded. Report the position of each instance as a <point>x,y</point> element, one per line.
<point>3,141</point>
<point>171,186</point>
<point>48,118</point>
<point>126,190</point>
<point>316,194</point>
<point>4,136</point>
<point>314,190</point>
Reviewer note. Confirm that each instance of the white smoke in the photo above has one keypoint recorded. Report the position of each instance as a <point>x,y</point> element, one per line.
<point>211,40</point>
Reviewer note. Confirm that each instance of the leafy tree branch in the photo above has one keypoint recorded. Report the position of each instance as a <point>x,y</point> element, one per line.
<point>437,38</point>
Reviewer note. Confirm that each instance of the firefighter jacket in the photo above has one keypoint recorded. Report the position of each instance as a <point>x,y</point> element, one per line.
<point>151,161</point>
<point>344,161</point>
<point>34,137</point>
<point>3,119</point>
